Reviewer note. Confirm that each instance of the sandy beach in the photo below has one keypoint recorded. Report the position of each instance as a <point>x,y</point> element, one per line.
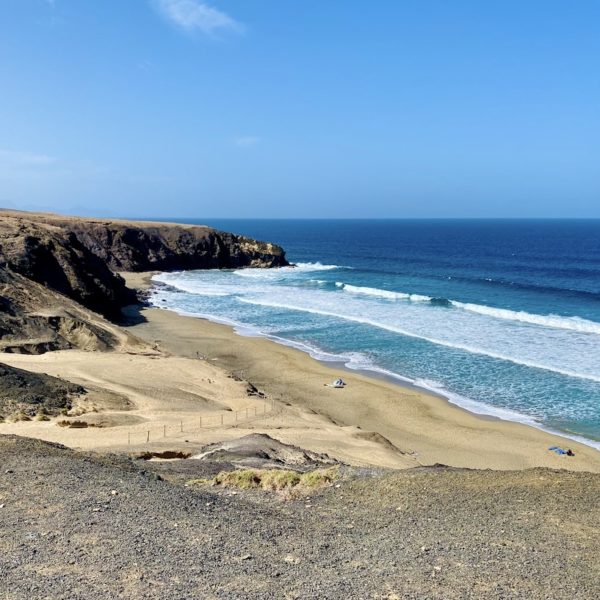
<point>181,382</point>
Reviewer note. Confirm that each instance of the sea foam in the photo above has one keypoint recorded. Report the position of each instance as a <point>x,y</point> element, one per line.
<point>405,332</point>
<point>550,320</point>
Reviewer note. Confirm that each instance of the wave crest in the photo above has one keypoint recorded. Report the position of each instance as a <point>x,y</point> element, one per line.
<point>551,321</point>
<point>427,338</point>
<point>280,272</point>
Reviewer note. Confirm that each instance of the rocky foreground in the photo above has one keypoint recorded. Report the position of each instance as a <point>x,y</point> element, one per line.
<point>91,526</point>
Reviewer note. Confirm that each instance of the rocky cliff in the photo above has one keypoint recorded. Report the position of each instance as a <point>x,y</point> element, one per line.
<point>148,246</point>
<point>55,269</point>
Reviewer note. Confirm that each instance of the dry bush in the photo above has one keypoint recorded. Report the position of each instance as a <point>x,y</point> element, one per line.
<point>74,424</point>
<point>279,480</point>
<point>22,416</point>
<point>42,416</point>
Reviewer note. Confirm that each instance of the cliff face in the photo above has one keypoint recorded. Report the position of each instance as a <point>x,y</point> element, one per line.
<point>57,259</point>
<point>35,319</point>
<point>52,268</point>
<point>167,247</point>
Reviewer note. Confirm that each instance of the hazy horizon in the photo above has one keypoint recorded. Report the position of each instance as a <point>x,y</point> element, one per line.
<point>236,109</point>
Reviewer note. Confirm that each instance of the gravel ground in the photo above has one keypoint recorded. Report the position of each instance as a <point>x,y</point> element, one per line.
<point>83,526</point>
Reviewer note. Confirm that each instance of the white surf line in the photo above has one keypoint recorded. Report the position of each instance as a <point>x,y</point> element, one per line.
<point>472,406</point>
<point>400,331</point>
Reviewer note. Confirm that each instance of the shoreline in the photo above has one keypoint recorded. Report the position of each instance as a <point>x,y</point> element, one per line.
<point>475,408</point>
<point>171,371</point>
<point>453,435</point>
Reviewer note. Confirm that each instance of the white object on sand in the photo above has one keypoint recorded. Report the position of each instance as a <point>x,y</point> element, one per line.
<point>338,383</point>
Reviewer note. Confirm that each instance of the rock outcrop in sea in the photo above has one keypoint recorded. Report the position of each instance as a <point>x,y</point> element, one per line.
<point>54,270</point>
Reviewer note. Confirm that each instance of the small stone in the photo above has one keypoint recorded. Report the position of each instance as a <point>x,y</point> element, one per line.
<point>114,492</point>
<point>246,557</point>
<point>1,505</point>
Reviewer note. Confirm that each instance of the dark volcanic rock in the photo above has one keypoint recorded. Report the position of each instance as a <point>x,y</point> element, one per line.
<point>47,260</point>
<point>58,260</point>
<point>167,247</point>
<point>29,393</point>
<point>35,319</point>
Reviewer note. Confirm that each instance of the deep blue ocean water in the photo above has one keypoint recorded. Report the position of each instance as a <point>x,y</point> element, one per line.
<point>502,317</point>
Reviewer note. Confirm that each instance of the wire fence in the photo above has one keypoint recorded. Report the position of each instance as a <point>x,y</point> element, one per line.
<point>192,425</point>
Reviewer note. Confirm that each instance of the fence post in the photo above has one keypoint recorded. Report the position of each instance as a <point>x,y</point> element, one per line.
<point>181,426</point>
<point>164,431</point>
<point>147,436</point>
<point>255,411</point>
<point>200,422</point>
<point>129,438</point>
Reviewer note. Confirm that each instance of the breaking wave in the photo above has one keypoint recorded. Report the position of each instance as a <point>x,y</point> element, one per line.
<point>552,321</point>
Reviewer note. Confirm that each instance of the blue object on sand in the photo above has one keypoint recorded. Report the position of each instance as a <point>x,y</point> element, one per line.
<point>557,450</point>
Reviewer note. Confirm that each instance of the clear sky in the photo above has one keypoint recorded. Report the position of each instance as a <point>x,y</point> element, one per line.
<point>312,108</point>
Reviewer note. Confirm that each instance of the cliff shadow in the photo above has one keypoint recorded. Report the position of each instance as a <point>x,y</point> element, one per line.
<point>132,315</point>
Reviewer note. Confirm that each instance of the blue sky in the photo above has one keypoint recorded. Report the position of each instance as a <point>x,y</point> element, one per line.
<point>313,108</point>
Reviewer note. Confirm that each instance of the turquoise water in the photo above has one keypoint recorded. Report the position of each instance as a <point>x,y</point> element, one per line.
<point>502,317</point>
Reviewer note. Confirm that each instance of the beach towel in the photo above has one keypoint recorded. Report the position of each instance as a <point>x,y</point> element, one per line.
<point>559,451</point>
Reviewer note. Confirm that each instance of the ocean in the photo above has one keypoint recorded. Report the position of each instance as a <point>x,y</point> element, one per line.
<point>502,317</point>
